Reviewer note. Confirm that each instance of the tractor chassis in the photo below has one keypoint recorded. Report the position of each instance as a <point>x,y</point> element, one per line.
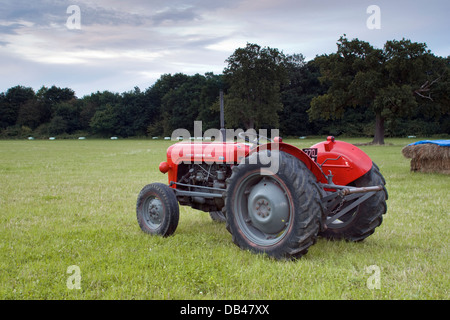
<point>334,202</point>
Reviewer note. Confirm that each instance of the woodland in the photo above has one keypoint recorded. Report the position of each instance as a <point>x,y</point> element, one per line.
<point>400,90</point>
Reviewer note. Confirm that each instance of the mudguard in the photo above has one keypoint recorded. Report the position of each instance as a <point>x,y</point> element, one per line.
<point>296,152</point>
<point>343,160</point>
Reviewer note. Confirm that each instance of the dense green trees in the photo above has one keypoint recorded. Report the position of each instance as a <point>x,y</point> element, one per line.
<point>303,84</point>
<point>255,76</point>
<point>174,101</point>
<point>402,89</point>
<point>402,80</point>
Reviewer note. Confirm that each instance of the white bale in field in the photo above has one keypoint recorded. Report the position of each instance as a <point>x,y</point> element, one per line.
<point>52,138</point>
<point>114,138</point>
<point>166,138</point>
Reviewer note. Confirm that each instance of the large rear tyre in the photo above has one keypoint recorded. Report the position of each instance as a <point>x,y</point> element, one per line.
<point>275,213</point>
<point>157,210</point>
<point>361,222</point>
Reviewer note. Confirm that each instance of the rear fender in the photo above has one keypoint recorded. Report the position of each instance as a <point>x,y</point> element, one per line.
<point>343,160</point>
<point>296,152</point>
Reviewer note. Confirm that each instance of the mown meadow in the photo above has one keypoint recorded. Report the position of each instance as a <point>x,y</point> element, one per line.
<point>70,203</point>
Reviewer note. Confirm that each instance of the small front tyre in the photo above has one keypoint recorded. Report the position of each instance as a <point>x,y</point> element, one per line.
<point>157,210</point>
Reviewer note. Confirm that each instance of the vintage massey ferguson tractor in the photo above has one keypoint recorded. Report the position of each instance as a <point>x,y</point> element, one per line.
<point>274,197</point>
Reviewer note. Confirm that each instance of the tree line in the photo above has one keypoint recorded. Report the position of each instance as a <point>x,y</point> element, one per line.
<point>402,89</point>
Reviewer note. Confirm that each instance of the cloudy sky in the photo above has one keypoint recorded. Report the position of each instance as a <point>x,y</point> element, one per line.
<point>117,45</point>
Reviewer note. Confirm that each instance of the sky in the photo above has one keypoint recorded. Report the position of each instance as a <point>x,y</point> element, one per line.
<point>114,45</point>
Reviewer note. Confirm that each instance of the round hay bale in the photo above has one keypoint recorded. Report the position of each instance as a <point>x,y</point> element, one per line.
<point>428,157</point>
<point>408,151</point>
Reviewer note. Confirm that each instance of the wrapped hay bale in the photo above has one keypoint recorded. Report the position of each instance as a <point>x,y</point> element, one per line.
<point>429,156</point>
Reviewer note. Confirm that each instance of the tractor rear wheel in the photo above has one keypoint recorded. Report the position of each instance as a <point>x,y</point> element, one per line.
<point>361,222</point>
<point>157,210</point>
<point>276,213</point>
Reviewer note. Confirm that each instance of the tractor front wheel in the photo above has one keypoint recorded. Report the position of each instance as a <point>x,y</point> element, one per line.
<point>157,210</point>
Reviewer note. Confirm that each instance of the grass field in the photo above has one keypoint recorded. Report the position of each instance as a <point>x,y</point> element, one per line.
<point>72,203</point>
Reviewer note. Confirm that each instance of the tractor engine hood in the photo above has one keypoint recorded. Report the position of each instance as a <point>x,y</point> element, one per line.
<point>207,152</point>
<point>202,152</point>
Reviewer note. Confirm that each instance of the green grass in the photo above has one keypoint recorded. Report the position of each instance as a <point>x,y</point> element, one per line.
<point>65,203</point>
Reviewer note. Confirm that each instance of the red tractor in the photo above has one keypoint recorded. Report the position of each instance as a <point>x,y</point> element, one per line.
<point>332,189</point>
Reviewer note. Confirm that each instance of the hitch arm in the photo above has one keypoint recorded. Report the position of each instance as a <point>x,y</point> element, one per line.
<point>345,193</point>
<point>350,207</point>
<point>346,190</point>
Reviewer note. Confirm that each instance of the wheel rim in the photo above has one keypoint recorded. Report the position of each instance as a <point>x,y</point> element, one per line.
<point>153,212</point>
<point>262,209</point>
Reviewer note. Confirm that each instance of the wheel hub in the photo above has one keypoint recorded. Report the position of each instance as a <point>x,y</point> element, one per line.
<point>263,208</point>
<point>268,207</point>
<point>155,211</point>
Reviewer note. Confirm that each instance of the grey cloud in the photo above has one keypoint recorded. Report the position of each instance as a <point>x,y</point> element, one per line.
<point>10,29</point>
<point>37,12</point>
<point>127,43</point>
<point>45,13</point>
<point>105,16</point>
<point>175,15</point>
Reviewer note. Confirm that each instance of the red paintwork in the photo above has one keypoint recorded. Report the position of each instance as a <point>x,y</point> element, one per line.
<point>206,152</point>
<point>164,167</point>
<point>352,164</point>
<point>299,154</point>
